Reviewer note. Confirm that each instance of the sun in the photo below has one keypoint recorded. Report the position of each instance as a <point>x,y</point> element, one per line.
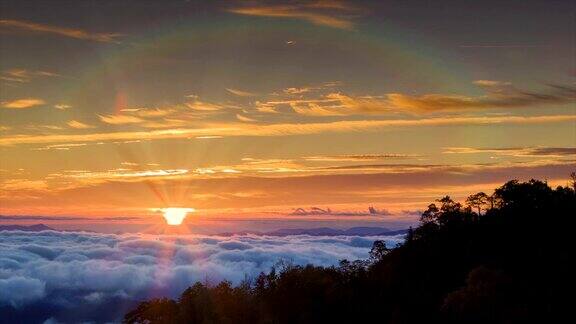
<point>175,216</point>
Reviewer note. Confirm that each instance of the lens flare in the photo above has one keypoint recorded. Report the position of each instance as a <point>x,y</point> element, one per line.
<point>175,216</point>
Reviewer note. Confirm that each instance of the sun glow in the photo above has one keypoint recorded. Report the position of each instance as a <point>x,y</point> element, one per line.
<point>175,216</point>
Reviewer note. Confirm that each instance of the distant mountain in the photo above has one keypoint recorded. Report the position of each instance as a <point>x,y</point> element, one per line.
<point>326,231</point>
<point>319,231</point>
<point>30,228</point>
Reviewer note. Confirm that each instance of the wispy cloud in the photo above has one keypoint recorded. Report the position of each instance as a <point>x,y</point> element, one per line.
<point>516,151</point>
<point>78,125</point>
<point>60,147</point>
<point>499,95</point>
<point>149,112</point>
<point>238,129</point>
<point>120,119</point>
<point>24,76</point>
<point>61,31</point>
<point>306,89</point>
<point>123,173</point>
<point>62,106</point>
<point>240,93</point>
<point>203,106</point>
<point>335,14</point>
<point>23,103</point>
<point>359,157</point>
<point>245,119</point>
<point>10,185</point>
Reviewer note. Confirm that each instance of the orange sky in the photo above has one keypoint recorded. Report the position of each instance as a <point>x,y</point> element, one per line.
<point>251,112</point>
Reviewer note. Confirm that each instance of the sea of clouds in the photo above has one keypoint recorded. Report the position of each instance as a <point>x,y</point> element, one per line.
<point>81,276</point>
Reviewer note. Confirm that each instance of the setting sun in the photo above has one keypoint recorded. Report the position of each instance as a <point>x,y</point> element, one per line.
<point>175,216</point>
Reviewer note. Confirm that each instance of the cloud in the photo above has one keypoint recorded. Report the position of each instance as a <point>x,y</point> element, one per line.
<point>23,103</point>
<point>62,106</point>
<point>120,173</point>
<point>120,119</point>
<point>163,117</point>
<point>61,271</point>
<point>403,186</point>
<point>209,137</point>
<point>335,14</point>
<point>18,291</point>
<point>240,93</point>
<point>359,157</point>
<point>61,31</point>
<point>24,76</point>
<point>196,104</point>
<point>288,129</point>
<point>78,125</point>
<point>8,185</point>
<point>516,151</point>
<point>62,147</point>
<point>498,95</point>
<point>152,112</point>
<point>245,119</point>
<point>307,89</point>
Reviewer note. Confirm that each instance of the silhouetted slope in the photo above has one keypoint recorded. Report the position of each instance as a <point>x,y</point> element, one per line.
<point>504,258</point>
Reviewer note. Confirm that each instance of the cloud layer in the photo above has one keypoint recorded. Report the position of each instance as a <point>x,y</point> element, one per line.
<point>58,271</point>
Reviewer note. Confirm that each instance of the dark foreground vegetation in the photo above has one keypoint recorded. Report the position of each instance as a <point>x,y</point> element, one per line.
<point>503,258</point>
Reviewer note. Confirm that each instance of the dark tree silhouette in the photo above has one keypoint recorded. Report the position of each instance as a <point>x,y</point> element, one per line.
<point>378,251</point>
<point>478,201</point>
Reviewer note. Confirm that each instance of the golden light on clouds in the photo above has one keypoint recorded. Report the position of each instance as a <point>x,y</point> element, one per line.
<point>62,31</point>
<point>78,125</point>
<point>322,13</point>
<point>23,103</point>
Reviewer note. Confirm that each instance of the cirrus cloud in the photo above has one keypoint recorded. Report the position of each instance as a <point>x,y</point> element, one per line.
<point>23,103</point>
<point>498,95</point>
<point>78,125</point>
<point>61,31</point>
<point>285,129</point>
<point>335,14</point>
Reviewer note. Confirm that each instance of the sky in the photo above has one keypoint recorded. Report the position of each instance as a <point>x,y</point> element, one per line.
<point>259,113</point>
